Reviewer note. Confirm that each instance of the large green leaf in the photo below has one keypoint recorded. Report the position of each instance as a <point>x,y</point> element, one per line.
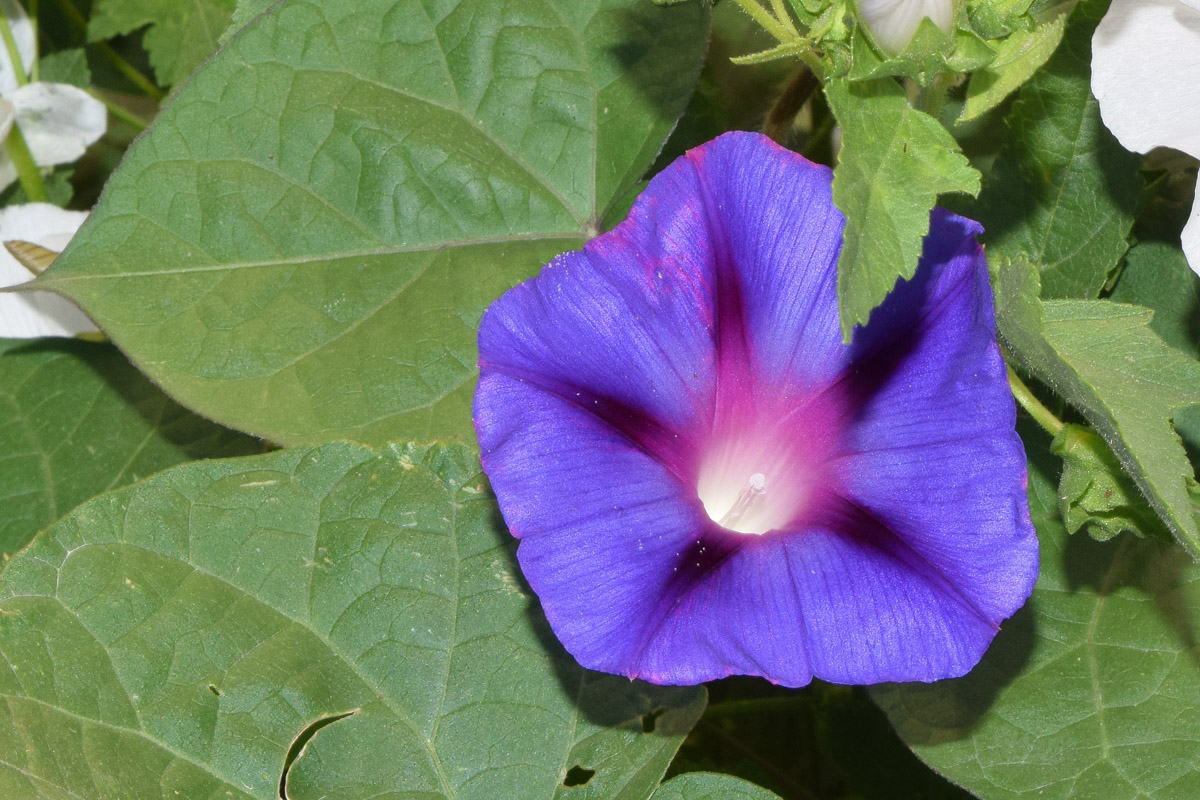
<point>303,243</point>
<point>1063,191</point>
<point>1091,691</point>
<point>358,612</point>
<point>180,34</point>
<point>1103,358</point>
<point>894,162</point>
<point>1157,276</point>
<point>77,420</point>
<point>711,786</point>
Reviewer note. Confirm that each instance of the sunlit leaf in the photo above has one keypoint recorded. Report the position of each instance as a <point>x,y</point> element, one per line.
<point>303,243</point>
<point>315,623</point>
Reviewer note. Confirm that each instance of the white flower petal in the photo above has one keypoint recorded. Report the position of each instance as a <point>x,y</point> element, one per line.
<point>31,314</point>
<point>893,22</point>
<point>1146,74</point>
<point>1193,3</point>
<point>22,30</point>
<point>58,121</point>
<point>1191,238</point>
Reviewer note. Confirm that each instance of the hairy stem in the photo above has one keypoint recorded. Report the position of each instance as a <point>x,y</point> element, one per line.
<point>1034,407</point>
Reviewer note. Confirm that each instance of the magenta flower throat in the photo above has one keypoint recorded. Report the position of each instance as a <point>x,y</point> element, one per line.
<point>706,481</point>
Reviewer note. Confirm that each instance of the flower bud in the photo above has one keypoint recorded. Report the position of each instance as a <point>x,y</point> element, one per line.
<point>893,22</point>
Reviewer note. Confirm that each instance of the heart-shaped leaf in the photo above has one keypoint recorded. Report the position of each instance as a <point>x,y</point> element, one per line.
<point>77,420</point>
<point>303,243</point>
<point>310,623</point>
<point>1092,690</point>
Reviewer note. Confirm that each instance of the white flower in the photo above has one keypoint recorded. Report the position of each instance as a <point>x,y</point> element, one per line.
<point>25,315</point>
<point>58,121</point>
<point>893,22</point>
<point>1146,76</point>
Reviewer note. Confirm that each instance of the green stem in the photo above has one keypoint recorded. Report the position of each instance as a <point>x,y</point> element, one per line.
<point>931,98</point>
<point>28,173</point>
<point>765,20</point>
<point>779,121</point>
<point>783,17</point>
<point>33,20</point>
<point>124,67</point>
<point>14,55</point>
<point>121,113</point>
<point>1034,407</point>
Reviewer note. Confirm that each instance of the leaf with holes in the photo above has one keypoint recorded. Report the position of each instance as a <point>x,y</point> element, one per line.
<point>1092,690</point>
<point>328,622</point>
<point>711,786</point>
<point>303,243</point>
<point>77,420</point>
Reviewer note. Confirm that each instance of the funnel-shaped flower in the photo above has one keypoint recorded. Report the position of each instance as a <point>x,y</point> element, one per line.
<point>706,481</point>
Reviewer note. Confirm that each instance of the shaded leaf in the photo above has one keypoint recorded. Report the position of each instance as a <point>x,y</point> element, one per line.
<point>1062,192</point>
<point>1103,358</point>
<point>180,35</point>
<point>1157,276</point>
<point>711,786</point>
<point>1018,57</point>
<point>893,164</point>
<point>66,66</point>
<point>178,636</point>
<point>303,243</point>
<point>1092,690</point>
<point>77,420</point>
<point>1095,492</point>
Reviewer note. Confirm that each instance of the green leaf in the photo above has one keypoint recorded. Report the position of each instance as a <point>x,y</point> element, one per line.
<point>1157,276</point>
<point>245,11</point>
<point>1095,492</point>
<point>66,66</point>
<point>1091,691</point>
<point>1103,358</point>
<point>349,622</point>
<point>77,420</point>
<point>181,34</point>
<point>894,163</point>
<point>711,786</point>
<point>875,762</point>
<point>303,243</point>
<point>1018,57</point>
<point>1063,192</point>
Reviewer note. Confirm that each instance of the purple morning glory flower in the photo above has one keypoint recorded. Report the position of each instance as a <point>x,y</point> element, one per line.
<point>706,481</point>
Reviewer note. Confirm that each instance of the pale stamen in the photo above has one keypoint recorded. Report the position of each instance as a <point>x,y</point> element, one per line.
<point>756,488</point>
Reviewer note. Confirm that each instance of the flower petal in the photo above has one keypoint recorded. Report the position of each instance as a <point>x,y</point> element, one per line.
<point>31,314</point>
<point>605,379</point>
<point>933,457</point>
<point>58,121</point>
<point>1146,74</point>
<point>1191,237</point>
<point>777,236</point>
<point>893,22</point>
<point>22,30</point>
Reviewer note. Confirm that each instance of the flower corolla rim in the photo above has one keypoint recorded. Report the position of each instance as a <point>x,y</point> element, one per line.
<point>641,400</point>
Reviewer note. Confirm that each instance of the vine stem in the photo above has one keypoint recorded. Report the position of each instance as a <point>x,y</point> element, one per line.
<point>1034,407</point>
<point>14,54</point>
<point>28,173</point>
